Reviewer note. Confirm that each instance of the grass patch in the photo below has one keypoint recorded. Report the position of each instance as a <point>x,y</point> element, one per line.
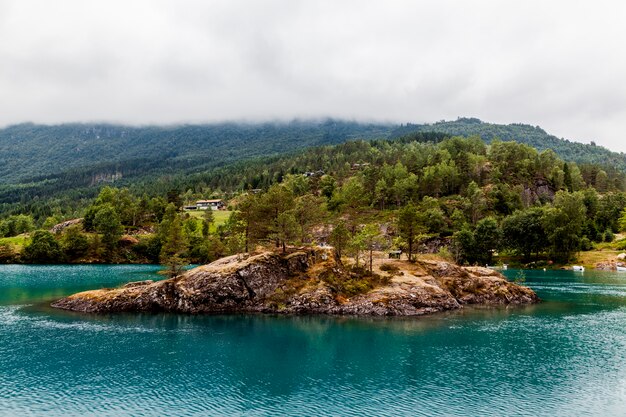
<point>220,217</point>
<point>18,242</point>
<point>590,258</point>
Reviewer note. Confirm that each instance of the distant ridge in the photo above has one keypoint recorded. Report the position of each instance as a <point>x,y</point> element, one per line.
<point>71,161</point>
<point>531,135</point>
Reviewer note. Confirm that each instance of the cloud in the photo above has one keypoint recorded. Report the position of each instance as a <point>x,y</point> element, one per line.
<point>556,64</point>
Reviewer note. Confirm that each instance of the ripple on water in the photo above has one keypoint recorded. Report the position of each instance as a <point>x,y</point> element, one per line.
<point>566,356</point>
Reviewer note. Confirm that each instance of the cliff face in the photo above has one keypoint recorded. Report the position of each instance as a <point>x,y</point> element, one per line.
<point>272,283</point>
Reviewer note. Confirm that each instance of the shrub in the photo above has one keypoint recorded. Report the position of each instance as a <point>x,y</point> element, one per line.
<point>392,269</point>
<point>585,244</point>
<point>621,244</point>
<point>43,249</point>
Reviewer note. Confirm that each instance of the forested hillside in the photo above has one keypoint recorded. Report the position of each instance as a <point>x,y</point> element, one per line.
<point>474,199</point>
<point>522,133</point>
<point>29,151</point>
<point>50,168</point>
<point>46,170</point>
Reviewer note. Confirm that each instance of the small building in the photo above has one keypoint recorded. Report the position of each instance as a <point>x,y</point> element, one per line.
<point>210,204</point>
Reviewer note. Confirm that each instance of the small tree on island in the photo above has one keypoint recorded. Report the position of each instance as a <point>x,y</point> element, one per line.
<point>340,238</point>
<point>173,249</point>
<point>368,239</point>
<point>409,226</point>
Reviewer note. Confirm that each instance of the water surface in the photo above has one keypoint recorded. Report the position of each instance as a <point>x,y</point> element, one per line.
<point>566,356</point>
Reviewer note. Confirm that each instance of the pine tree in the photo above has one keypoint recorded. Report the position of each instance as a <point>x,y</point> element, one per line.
<point>408,226</point>
<point>173,249</point>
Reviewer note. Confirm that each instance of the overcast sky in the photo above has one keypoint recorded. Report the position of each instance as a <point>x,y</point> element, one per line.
<point>557,64</point>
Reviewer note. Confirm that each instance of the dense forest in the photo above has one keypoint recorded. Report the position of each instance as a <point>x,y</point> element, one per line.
<point>529,135</point>
<point>57,170</point>
<point>424,191</point>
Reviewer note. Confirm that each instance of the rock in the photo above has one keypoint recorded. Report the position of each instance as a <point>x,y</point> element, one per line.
<point>605,266</point>
<point>621,257</point>
<point>273,283</point>
<point>58,228</point>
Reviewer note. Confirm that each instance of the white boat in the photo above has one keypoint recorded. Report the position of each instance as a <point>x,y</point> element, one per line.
<point>621,268</point>
<point>578,268</point>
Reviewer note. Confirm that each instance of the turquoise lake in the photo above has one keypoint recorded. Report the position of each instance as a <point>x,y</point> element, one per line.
<point>565,356</point>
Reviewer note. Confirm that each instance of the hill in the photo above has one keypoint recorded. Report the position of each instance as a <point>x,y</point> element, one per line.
<point>30,152</point>
<point>48,169</point>
<point>530,135</point>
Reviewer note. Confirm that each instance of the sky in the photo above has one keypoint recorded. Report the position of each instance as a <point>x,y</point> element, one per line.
<point>556,64</point>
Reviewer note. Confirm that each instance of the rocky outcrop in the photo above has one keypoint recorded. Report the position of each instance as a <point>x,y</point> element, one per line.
<point>58,228</point>
<point>273,283</point>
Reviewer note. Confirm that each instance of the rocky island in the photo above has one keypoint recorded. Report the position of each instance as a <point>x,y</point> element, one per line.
<point>304,282</point>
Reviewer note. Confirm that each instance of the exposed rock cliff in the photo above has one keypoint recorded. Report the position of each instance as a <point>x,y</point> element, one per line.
<point>272,283</point>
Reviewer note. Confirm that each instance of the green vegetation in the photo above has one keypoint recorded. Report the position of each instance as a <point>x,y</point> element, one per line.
<point>471,198</point>
<point>533,136</point>
<point>56,171</point>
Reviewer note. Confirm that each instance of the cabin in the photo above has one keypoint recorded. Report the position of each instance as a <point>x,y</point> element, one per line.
<point>210,205</point>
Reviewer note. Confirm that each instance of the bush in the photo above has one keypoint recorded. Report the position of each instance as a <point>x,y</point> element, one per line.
<point>356,281</point>
<point>43,249</point>
<point>445,254</point>
<point>608,236</point>
<point>392,269</point>
<point>585,244</point>
<point>74,243</point>
<point>149,248</point>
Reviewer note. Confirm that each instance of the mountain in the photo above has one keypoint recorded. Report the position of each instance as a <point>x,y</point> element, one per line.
<point>46,168</point>
<point>30,152</point>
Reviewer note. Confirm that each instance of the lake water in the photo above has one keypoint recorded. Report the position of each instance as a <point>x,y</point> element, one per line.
<point>566,356</point>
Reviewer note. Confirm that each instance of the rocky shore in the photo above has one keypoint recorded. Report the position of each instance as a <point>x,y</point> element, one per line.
<point>295,284</point>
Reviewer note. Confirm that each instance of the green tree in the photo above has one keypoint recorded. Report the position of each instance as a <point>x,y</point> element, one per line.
<point>369,239</point>
<point>409,226</point>
<point>286,228</point>
<point>208,218</point>
<point>464,245</point>
<point>43,249</point>
<point>524,232</point>
<point>107,222</point>
<point>327,186</point>
<point>567,178</point>
<point>477,203</point>
<point>487,238</point>
<point>308,212</point>
<point>174,248</point>
<point>339,238</point>
<point>74,243</point>
<point>563,224</point>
